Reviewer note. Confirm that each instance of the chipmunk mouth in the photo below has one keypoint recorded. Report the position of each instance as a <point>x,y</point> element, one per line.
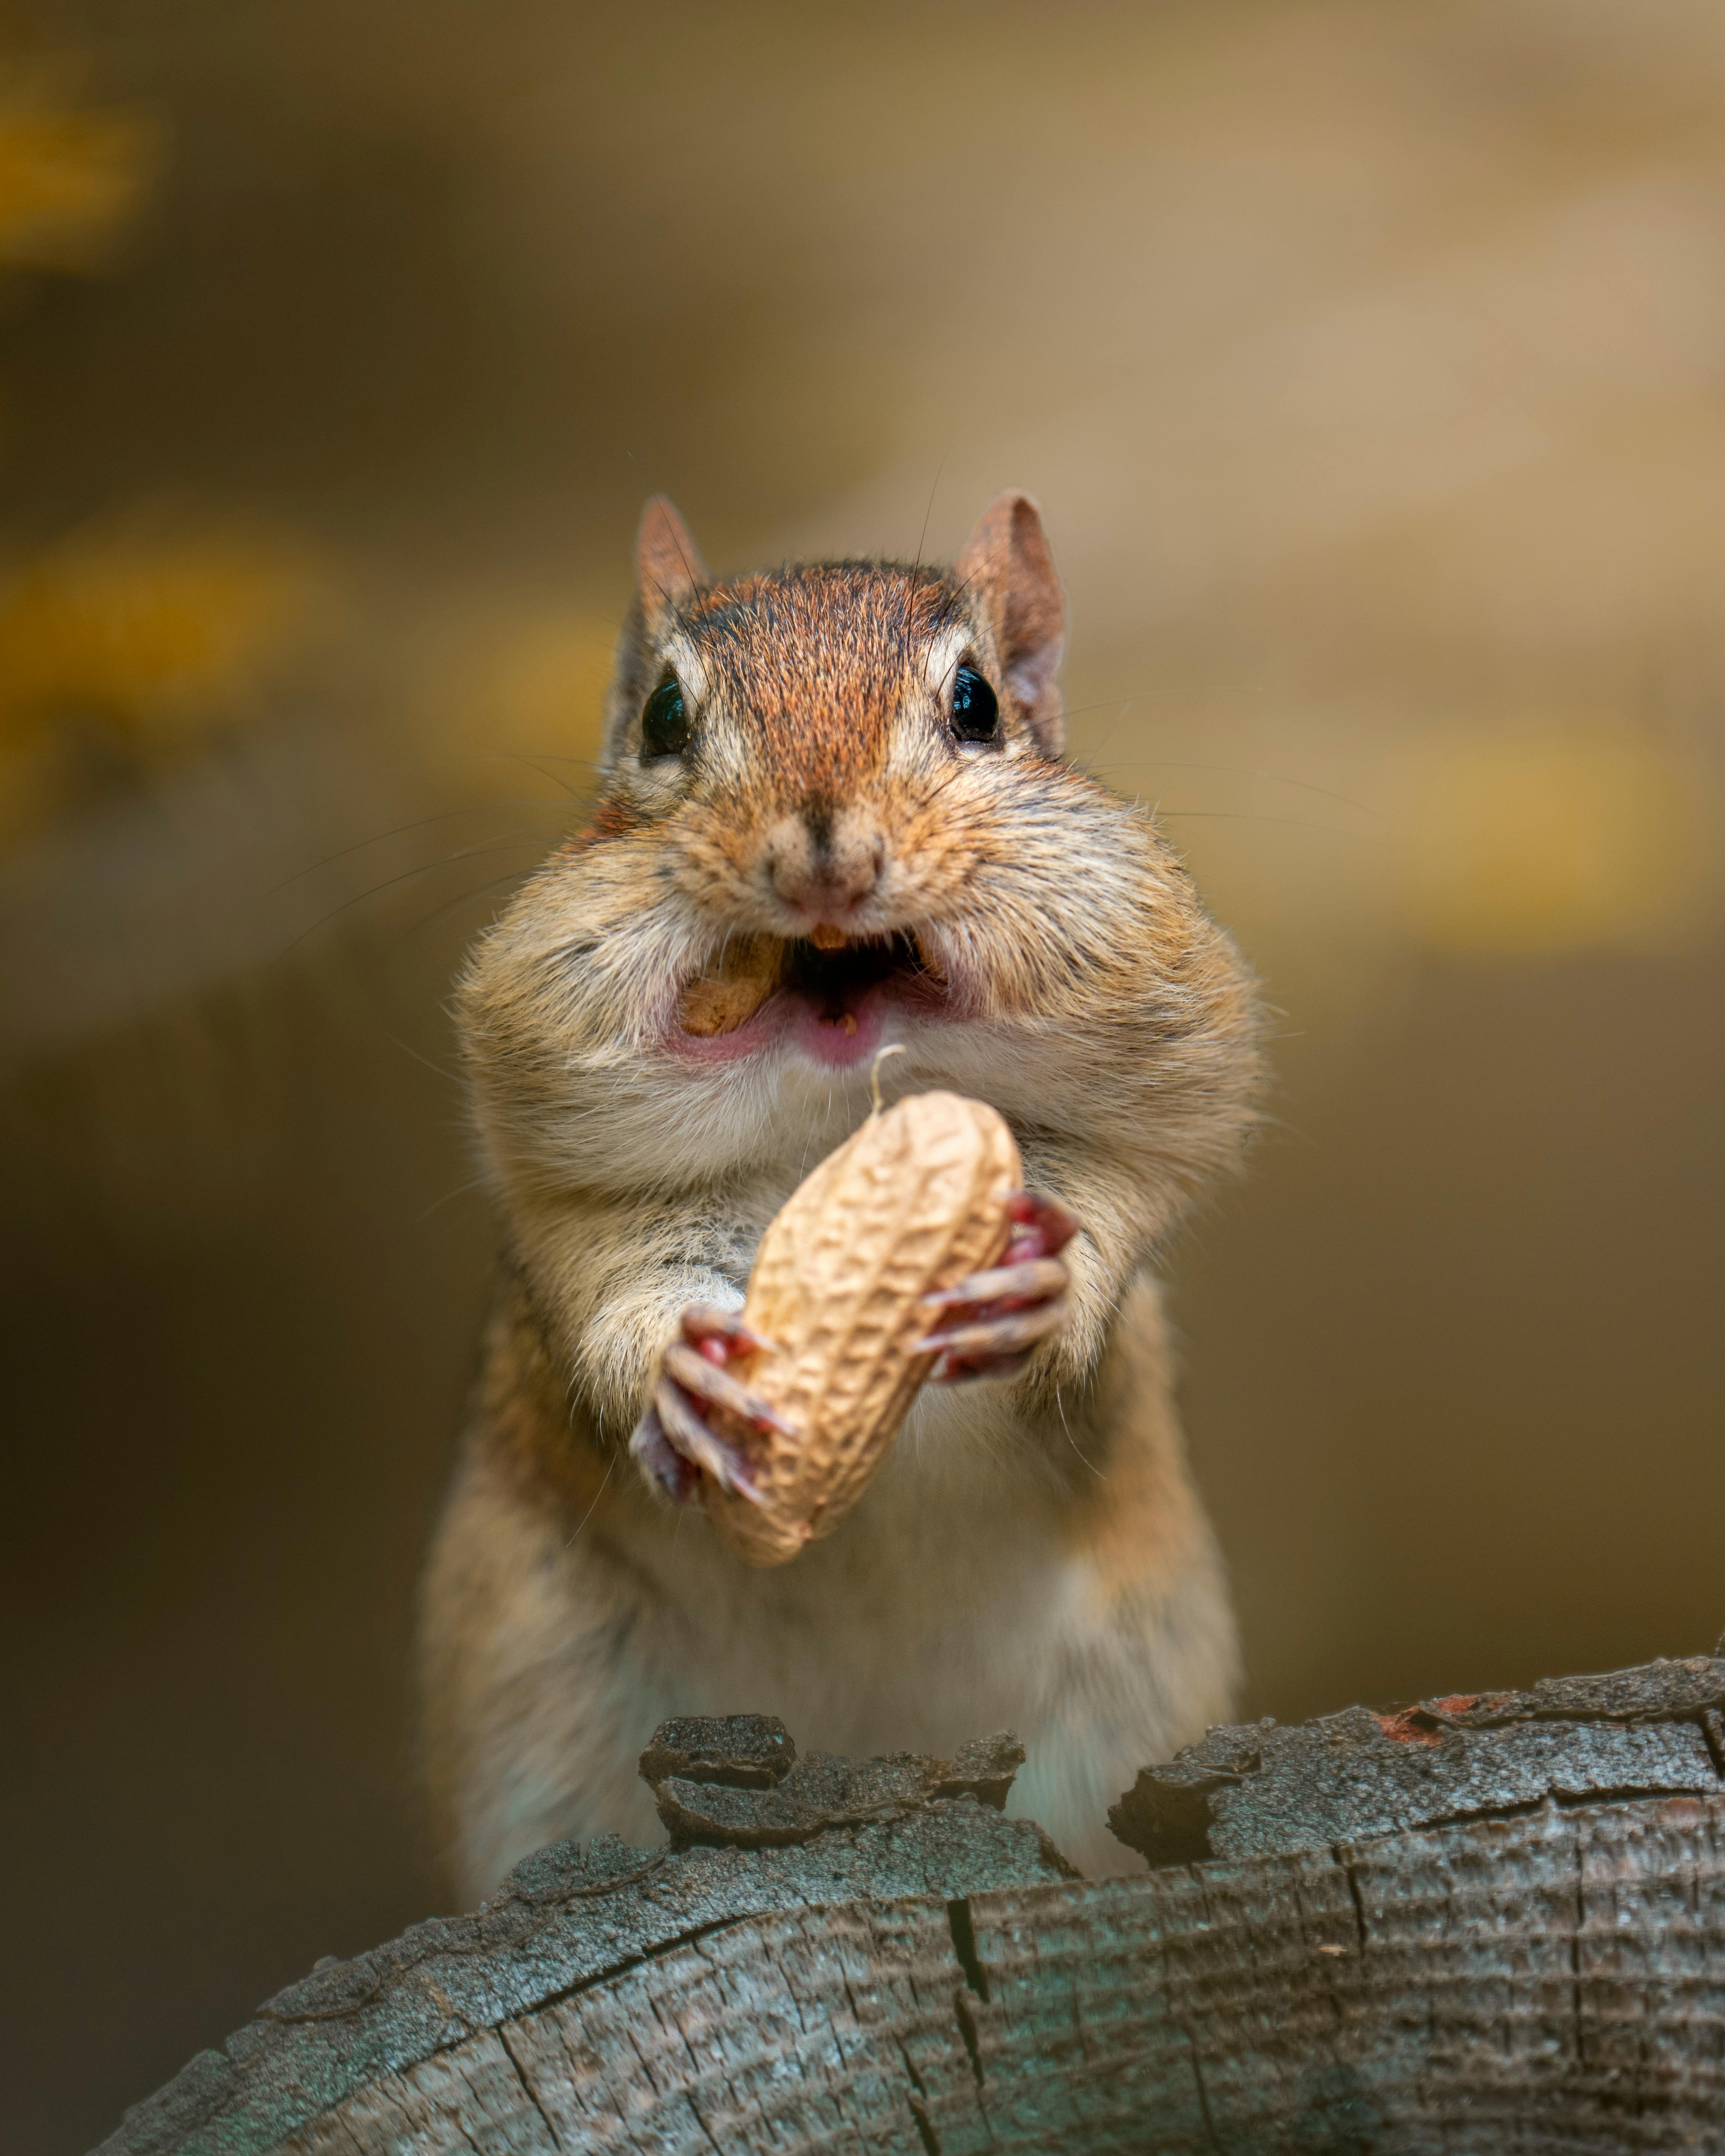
<point>831,992</point>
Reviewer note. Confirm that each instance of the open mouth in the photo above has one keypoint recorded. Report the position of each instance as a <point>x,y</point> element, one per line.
<point>831,990</point>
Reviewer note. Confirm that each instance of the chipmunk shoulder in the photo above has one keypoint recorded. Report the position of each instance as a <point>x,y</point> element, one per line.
<point>834,815</point>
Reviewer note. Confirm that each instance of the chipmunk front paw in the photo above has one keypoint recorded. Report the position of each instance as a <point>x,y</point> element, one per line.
<point>673,1441</point>
<point>994,1320</point>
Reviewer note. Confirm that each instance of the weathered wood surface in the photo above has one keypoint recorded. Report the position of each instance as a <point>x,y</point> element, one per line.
<point>1480,1924</point>
<point>1260,1788</point>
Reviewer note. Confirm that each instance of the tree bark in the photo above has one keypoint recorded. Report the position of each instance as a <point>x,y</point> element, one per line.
<point>1482,1923</point>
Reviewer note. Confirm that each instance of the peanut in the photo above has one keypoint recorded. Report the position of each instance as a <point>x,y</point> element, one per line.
<point>720,1002</point>
<point>909,1206</point>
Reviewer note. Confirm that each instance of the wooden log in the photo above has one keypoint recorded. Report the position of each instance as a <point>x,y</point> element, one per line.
<point>1481,1923</point>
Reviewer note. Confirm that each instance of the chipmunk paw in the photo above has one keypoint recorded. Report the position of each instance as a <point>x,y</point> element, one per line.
<point>674,1442</point>
<point>990,1324</point>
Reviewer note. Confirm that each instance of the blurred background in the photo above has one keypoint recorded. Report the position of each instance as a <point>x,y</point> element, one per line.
<point>1369,362</point>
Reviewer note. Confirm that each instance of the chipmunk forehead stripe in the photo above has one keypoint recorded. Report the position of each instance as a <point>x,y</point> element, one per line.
<point>683,655</point>
<point>868,620</point>
<point>943,653</point>
<point>825,654</point>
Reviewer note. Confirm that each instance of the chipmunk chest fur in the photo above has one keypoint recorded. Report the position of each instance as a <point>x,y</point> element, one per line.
<point>835,818</point>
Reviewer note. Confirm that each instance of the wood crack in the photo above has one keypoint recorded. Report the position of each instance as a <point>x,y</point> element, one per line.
<point>963,1931</point>
<point>1210,2133</point>
<point>527,2088</point>
<point>1350,1872</point>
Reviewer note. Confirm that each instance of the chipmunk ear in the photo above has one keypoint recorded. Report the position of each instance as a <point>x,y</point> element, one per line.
<point>1006,561</point>
<point>668,563</point>
<point>668,569</point>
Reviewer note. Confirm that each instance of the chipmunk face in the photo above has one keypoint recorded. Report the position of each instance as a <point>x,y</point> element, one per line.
<point>834,814</point>
<point>828,756</point>
<point>818,752</point>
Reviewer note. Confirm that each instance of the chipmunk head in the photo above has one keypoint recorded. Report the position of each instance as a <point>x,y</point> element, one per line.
<point>789,729</point>
<point>834,812</point>
<point>822,752</point>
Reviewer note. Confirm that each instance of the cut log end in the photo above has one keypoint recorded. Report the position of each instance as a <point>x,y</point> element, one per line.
<point>1482,1921</point>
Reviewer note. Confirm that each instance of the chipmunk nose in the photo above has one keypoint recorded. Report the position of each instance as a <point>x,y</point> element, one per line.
<point>825,864</point>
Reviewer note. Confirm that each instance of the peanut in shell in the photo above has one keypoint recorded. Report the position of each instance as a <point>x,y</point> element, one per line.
<point>912,1203</point>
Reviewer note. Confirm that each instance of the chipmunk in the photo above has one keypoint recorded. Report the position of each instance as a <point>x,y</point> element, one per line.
<point>834,814</point>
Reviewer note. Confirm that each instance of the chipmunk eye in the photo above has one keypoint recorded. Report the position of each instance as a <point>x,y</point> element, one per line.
<point>975,713</point>
<point>664,723</point>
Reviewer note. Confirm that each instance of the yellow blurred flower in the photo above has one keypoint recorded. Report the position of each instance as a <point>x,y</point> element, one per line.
<point>70,179</point>
<point>152,639</point>
<point>1553,838</point>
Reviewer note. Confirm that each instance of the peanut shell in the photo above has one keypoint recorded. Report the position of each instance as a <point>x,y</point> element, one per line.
<point>909,1206</point>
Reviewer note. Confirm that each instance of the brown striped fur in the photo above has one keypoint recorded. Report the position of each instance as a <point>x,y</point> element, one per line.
<point>1034,1554</point>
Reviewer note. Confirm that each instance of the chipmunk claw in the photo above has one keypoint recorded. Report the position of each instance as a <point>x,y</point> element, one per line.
<point>653,1450</point>
<point>710,1382</point>
<point>1042,1226</point>
<point>704,1322</point>
<point>673,1441</point>
<point>998,1317</point>
<point>690,1435</point>
<point>1035,1278</point>
<point>1009,1331</point>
